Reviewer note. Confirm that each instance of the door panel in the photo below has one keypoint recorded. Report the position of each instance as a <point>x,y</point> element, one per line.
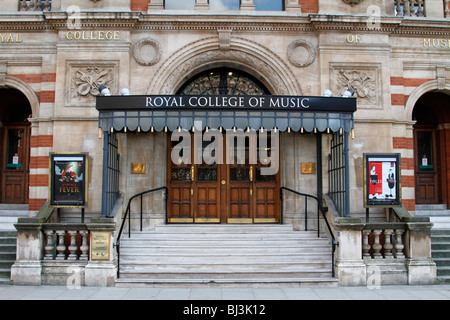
<point>221,193</point>
<point>427,188</point>
<point>15,168</point>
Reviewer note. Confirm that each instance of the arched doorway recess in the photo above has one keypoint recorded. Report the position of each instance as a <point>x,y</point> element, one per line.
<point>224,191</point>
<point>432,148</point>
<point>15,109</point>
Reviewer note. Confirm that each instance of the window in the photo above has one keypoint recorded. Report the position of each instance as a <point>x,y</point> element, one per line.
<point>224,5</point>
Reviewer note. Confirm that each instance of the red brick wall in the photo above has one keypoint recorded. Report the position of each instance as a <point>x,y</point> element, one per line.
<point>309,6</point>
<point>139,5</point>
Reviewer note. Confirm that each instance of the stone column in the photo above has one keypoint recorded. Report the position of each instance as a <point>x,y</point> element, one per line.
<point>27,268</point>
<point>247,5</point>
<point>350,266</point>
<point>292,5</point>
<point>420,265</point>
<point>201,5</point>
<point>101,272</point>
<point>156,5</point>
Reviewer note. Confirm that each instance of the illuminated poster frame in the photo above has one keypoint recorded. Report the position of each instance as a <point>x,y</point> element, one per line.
<point>68,180</point>
<point>382,183</point>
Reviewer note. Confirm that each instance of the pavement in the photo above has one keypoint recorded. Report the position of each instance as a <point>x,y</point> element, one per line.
<point>411,292</point>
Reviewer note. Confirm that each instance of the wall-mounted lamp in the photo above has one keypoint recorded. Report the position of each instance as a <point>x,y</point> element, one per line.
<point>327,93</point>
<point>349,93</point>
<point>125,92</point>
<point>104,91</point>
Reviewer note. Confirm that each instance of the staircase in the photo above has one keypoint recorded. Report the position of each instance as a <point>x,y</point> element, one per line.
<point>225,255</point>
<point>7,254</point>
<point>9,214</point>
<point>440,237</point>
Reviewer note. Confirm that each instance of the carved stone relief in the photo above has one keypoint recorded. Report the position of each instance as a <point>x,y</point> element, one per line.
<point>84,79</point>
<point>301,62</point>
<point>147,57</point>
<point>363,79</point>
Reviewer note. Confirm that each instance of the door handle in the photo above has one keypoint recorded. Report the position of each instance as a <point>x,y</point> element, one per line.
<point>251,173</point>
<point>224,182</point>
<point>193,173</point>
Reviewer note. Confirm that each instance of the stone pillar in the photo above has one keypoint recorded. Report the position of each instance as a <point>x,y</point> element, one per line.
<point>292,5</point>
<point>350,267</point>
<point>27,268</point>
<point>156,5</point>
<point>247,5</point>
<point>101,271</point>
<point>434,9</point>
<point>201,5</point>
<point>420,265</point>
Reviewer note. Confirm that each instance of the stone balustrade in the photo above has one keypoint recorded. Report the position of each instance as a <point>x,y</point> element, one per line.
<point>409,8</point>
<point>383,241</point>
<point>35,5</point>
<point>66,242</point>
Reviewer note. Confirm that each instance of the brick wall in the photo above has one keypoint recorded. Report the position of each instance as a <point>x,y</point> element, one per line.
<point>40,145</point>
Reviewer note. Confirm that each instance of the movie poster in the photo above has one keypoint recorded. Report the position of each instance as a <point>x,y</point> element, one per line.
<point>68,180</point>
<point>382,179</point>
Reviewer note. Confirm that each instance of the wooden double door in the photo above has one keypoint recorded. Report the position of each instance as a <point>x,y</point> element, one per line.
<point>221,192</point>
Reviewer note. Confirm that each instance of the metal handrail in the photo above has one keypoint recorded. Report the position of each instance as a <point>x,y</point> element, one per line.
<point>128,214</point>
<point>320,208</point>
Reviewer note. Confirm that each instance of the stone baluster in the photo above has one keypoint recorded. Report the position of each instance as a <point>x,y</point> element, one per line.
<point>420,12</point>
<point>292,5</point>
<point>406,8</point>
<point>50,246</point>
<point>377,245</point>
<point>398,246</point>
<point>156,5</point>
<point>387,243</point>
<point>84,246</point>
<point>366,245</point>
<point>201,5</point>
<point>73,245</point>
<point>60,248</point>
<point>247,5</point>
<point>446,9</point>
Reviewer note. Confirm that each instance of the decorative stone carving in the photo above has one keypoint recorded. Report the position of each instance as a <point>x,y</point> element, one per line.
<point>83,80</point>
<point>147,58</point>
<point>353,2</point>
<point>304,62</point>
<point>365,80</point>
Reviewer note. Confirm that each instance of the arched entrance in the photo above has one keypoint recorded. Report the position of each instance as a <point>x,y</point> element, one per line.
<point>222,191</point>
<point>15,131</point>
<point>432,148</point>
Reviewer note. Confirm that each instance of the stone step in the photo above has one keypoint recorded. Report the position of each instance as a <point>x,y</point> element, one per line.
<point>231,282</point>
<point>7,223</point>
<point>441,222</point>
<point>224,255</point>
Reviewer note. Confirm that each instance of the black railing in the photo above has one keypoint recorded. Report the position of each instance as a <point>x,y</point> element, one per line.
<point>127,215</point>
<point>320,209</point>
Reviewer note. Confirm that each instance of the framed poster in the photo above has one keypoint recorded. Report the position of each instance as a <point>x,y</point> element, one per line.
<point>68,180</point>
<point>382,184</point>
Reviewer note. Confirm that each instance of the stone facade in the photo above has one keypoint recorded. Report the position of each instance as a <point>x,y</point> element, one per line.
<point>60,57</point>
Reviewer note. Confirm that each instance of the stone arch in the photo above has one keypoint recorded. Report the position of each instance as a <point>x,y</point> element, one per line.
<point>242,54</point>
<point>15,83</point>
<point>430,86</point>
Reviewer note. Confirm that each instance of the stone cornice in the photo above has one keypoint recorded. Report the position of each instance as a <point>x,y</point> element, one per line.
<point>281,22</point>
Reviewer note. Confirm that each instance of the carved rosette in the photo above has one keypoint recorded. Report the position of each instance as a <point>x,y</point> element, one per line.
<point>146,59</point>
<point>303,61</point>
